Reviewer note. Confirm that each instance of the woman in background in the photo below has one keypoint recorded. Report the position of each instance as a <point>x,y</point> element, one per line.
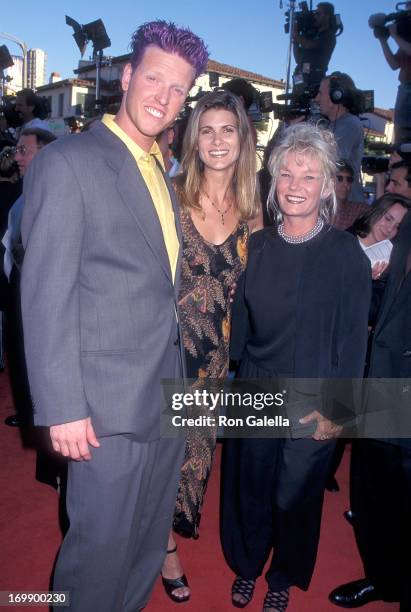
<point>219,207</point>
<point>300,312</point>
<point>381,221</point>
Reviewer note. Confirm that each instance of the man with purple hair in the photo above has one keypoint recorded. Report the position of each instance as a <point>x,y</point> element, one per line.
<point>100,283</point>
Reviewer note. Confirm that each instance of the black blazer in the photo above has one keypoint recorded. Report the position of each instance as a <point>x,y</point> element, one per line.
<point>391,348</point>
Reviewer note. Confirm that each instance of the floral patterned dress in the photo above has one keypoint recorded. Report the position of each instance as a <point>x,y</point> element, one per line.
<point>208,273</point>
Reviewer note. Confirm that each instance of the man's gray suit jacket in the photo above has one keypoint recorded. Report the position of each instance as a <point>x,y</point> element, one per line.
<point>98,299</point>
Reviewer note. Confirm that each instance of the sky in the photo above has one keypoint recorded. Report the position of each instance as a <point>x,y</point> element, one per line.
<point>247,34</point>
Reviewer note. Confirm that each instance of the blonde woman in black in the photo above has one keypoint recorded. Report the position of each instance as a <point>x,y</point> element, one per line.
<point>301,311</point>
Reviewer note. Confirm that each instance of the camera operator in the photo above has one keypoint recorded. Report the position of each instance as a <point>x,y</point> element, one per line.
<point>382,179</point>
<point>400,178</point>
<point>340,102</point>
<point>31,111</point>
<point>313,49</point>
<point>400,60</point>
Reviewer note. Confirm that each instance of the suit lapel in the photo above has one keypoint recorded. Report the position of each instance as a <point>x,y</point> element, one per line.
<point>176,210</point>
<point>134,192</point>
<point>136,196</point>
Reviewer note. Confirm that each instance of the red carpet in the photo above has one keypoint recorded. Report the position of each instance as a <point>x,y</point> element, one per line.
<point>30,537</point>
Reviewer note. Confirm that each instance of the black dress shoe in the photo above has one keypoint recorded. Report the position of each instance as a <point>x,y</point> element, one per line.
<point>349,516</point>
<point>354,594</point>
<point>332,485</point>
<point>13,421</point>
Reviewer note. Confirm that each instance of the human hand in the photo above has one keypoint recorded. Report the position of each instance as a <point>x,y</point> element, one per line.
<point>72,439</point>
<point>378,268</point>
<point>325,430</point>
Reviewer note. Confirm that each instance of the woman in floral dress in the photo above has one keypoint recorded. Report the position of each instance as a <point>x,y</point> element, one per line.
<point>219,208</point>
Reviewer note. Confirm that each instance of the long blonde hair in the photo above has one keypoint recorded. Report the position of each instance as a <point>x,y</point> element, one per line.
<point>244,181</point>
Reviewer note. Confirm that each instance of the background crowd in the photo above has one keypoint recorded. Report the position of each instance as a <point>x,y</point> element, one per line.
<point>150,247</point>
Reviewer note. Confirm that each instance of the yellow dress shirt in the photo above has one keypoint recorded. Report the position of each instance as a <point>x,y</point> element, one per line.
<point>156,185</point>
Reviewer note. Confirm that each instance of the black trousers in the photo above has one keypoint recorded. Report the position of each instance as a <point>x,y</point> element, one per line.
<point>272,497</point>
<point>381,499</point>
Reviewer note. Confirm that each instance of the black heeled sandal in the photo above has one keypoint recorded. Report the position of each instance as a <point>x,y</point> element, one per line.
<point>171,584</point>
<point>278,600</point>
<point>243,587</point>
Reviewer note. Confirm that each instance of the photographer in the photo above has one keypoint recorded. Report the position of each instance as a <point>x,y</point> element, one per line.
<point>314,46</point>
<point>400,60</point>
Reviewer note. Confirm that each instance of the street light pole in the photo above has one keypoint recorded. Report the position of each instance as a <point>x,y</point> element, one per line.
<point>23,47</point>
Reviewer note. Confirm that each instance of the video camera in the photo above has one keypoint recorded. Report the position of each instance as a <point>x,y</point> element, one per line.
<point>305,20</point>
<point>378,22</point>
<point>299,105</point>
<point>302,103</point>
<point>374,164</point>
<point>9,113</point>
<point>14,119</point>
<point>261,102</point>
<point>8,165</point>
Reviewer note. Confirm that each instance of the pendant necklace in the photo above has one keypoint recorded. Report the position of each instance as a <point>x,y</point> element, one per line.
<point>220,212</point>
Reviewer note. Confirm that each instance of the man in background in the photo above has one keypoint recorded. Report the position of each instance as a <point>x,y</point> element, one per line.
<point>381,461</point>
<point>400,178</point>
<point>30,109</point>
<point>341,102</point>
<point>312,53</point>
<point>347,210</point>
<point>400,60</point>
<point>31,141</point>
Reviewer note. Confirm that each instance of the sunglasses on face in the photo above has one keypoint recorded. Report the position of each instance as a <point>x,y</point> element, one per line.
<point>341,178</point>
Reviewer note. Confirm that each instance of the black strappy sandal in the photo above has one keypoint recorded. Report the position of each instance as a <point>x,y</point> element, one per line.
<point>243,587</point>
<point>171,584</point>
<point>278,600</point>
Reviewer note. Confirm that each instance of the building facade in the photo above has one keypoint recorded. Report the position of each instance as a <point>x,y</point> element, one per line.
<point>69,97</point>
<point>216,72</point>
<point>36,68</point>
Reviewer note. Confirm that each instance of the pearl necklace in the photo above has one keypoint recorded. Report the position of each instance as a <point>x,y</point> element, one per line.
<point>220,212</point>
<point>303,237</point>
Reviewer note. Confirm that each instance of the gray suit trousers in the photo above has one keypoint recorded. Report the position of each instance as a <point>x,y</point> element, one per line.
<point>120,505</point>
